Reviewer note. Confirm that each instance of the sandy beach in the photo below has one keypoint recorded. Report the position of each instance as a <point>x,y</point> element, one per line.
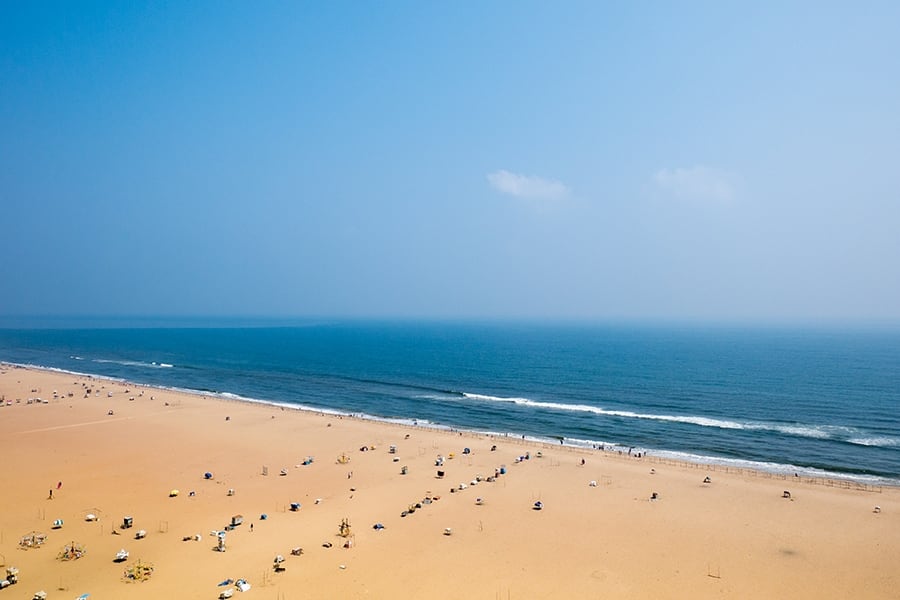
<point>120,450</point>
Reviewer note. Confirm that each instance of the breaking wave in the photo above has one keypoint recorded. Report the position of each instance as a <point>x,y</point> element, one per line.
<point>822,432</point>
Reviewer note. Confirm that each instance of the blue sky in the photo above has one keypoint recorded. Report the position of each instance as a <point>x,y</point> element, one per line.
<point>700,161</point>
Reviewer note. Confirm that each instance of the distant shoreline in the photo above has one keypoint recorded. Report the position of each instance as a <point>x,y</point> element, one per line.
<point>774,471</point>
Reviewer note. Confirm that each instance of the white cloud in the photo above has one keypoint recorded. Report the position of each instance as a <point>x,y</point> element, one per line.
<point>697,183</point>
<point>526,186</point>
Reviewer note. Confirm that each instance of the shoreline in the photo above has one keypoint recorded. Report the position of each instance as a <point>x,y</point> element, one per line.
<point>609,524</point>
<point>775,471</point>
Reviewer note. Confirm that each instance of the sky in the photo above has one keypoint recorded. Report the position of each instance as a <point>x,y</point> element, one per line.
<point>713,161</point>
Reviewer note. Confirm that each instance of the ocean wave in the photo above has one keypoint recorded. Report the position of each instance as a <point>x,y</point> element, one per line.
<point>498,399</point>
<point>821,432</point>
<point>131,363</point>
<point>882,442</point>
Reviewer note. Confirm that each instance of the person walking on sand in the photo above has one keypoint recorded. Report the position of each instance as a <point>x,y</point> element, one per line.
<point>59,485</point>
<point>51,494</point>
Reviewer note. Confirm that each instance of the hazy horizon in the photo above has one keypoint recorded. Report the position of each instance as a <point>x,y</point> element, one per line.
<point>584,162</point>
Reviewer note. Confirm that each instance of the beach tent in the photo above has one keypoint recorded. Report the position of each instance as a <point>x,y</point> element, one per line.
<point>207,475</point>
<point>173,493</point>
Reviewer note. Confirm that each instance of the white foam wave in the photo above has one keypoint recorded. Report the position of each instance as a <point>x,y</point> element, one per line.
<point>695,420</point>
<point>822,432</point>
<point>133,363</point>
<point>884,442</point>
<point>495,398</point>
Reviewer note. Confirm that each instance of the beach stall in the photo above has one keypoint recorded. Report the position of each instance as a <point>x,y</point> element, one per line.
<point>71,551</point>
<point>237,520</point>
<point>12,577</point>
<point>127,522</point>
<point>35,539</point>
<point>140,571</point>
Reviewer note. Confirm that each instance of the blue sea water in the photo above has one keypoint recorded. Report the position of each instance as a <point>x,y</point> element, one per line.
<point>780,399</point>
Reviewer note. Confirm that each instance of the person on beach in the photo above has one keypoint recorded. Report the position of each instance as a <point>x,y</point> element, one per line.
<point>59,485</point>
<point>51,494</point>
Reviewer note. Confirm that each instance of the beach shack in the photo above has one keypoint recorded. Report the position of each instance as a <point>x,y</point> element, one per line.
<point>127,522</point>
<point>237,520</point>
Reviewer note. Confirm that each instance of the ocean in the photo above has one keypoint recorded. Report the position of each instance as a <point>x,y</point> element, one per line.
<point>813,401</point>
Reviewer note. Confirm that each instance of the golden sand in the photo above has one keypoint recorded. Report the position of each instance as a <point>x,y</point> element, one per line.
<point>734,537</point>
